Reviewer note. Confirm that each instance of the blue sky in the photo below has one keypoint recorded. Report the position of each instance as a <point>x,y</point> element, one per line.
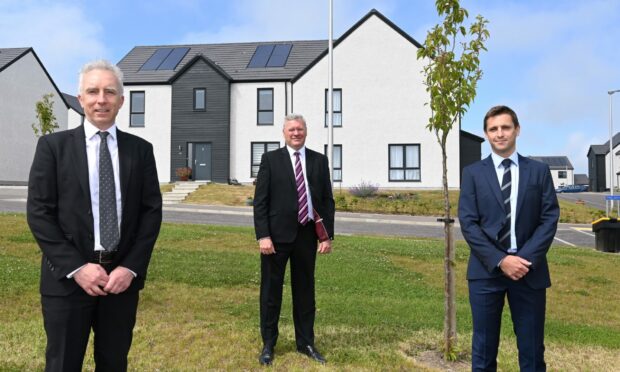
<point>552,61</point>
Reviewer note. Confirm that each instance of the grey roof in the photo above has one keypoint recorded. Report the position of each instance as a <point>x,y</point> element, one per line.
<point>554,162</point>
<point>73,103</point>
<point>10,55</point>
<point>232,58</point>
<point>581,179</point>
<point>604,148</point>
<point>471,136</point>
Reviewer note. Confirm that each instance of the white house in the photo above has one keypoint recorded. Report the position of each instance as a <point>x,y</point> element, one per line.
<point>218,107</point>
<point>562,171</point>
<point>23,81</point>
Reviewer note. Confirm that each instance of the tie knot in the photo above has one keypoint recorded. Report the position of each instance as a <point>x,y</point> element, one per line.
<point>506,163</point>
<point>103,135</point>
<point>296,153</point>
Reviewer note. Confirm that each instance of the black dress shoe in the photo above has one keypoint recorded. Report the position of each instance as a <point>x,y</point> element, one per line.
<point>266,356</point>
<point>313,353</point>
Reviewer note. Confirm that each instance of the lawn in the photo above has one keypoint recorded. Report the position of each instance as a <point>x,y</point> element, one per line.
<point>410,202</point>
<point>379,305</point>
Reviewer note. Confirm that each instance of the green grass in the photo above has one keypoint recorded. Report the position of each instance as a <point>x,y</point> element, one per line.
<point>409,202</point>
<point>379,305</point>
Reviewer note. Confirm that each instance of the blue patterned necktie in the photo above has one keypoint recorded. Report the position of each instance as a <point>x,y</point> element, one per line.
<point>302,196</point>
<point>109,235</point>
<point>504,234</point>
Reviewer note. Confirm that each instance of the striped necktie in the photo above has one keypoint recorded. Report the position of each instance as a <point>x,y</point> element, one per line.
<point>302,196</point>
<point>504,233</point>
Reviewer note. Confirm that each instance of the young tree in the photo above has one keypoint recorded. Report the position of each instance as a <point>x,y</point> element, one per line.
<point>45,114</point>
<point>452,51</point>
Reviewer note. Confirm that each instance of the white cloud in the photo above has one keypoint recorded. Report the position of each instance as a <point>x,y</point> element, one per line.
<point>60,34</point>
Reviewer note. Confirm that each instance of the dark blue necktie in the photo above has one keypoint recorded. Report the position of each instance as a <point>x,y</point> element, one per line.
<point>504,233</point>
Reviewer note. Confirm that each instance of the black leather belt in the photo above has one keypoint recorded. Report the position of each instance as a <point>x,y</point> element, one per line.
<point>103,257</point>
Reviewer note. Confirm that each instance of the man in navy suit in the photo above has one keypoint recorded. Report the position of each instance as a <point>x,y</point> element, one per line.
<point>508,213</point>
<point>293,182</point>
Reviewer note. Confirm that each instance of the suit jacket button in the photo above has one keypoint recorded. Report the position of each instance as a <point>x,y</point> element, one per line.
<point>90,212</point>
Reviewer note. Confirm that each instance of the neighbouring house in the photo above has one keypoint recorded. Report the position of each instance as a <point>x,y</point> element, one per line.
<point>76,112</point>
<point>582,179</point>
<point>599,165</point>
<point>562,171</point>
<point>218,107</point>
<point>23,81</point>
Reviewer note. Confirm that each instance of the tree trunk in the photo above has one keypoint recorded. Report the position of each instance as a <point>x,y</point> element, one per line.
<point>449,325</point>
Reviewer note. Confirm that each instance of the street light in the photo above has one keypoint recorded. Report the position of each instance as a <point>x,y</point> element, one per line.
<point>611,148</point>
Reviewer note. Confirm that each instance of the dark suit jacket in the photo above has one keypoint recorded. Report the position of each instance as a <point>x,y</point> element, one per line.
<point>59,207</point>
<point>275,198</point>
<point>481,215</point>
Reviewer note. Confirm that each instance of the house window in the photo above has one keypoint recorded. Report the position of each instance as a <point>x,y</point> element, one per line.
<point>336,163</point>
<point>404,162</point>
<point>136,109</point>
<point>561,174</point>
<point>258,149</point>
<point>200,99</point>
<point>337,107</point>
<point>265,106</point>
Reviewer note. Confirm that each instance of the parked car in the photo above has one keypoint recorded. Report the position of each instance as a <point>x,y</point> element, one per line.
<point>572,188</point>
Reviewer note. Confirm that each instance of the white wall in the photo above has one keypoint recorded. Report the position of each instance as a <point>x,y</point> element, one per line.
<point>243,127</point>
<point>382,102</point>
<point>157,123</point>
<point>557,181</point>
<point>22,84</point>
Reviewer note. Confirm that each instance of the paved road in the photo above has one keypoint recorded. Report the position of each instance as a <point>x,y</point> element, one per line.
<point>13,199</point>
<point>592,199</point>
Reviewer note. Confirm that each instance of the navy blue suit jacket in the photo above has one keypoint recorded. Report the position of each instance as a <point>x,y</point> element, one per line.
<point>481,216</point>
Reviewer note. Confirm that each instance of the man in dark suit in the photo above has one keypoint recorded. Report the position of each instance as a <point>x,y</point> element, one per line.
<point>293,182</point>
<point>508,213</point>
<point>94,208</point>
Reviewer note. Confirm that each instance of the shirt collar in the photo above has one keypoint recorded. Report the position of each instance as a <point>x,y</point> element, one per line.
<point>497,160</point>
<point>302,151</point>
<point>90,130</point>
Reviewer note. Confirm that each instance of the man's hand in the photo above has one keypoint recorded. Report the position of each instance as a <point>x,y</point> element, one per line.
<point>120,279</point>
<point>515,267</point>
<point>92,278</point>
<point>266,246</point>
<point>325,247</point>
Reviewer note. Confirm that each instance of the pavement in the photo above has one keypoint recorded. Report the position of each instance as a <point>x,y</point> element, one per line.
<point>13,199</point>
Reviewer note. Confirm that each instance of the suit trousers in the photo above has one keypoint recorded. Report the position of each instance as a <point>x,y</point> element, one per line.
<point>68,320</point>
<point>527,308</point>
<point>302,254</point>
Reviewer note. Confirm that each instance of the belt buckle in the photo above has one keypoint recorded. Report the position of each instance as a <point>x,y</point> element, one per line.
<point>103,257</point>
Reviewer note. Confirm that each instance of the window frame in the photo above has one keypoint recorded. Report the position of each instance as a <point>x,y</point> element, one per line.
<point>132,112</point>
<point>404,168</point>
<point>562,172</point>
<point>334,112</point>
<point>194,99</point>
<point>258,109</point>
<point>334,169</point>
<point>265,149</point>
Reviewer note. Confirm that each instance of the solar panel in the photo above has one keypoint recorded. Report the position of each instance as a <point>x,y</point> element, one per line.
<point>261,56</point>
<point>156,59</point>
<point>280,55</point>
<point>173,59</point>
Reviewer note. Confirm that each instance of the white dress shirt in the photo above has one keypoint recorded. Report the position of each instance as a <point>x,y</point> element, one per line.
<point>302,158</point>
<point>514,190</point>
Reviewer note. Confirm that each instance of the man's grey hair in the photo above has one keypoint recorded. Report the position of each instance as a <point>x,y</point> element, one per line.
<point>102,64</point>
<point>294,117</point>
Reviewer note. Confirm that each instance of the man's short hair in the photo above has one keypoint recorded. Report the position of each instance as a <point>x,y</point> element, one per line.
<point>102,64</point>
<point>500,110</point>
<point>294,117</point>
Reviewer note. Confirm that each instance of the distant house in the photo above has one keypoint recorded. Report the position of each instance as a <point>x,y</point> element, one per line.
<point>562,170</point>
<point>76,112</point>
<point>582,179</point>
<point>218,107</point>
<point>23,81</point>
<point>599,164</point>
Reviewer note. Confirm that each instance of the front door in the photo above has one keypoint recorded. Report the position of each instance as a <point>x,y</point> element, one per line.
<point>202,162</point>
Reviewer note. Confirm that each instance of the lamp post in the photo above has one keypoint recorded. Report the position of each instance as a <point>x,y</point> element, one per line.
<point>611,148</point>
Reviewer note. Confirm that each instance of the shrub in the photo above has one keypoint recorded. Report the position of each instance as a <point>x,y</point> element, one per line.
<point>364,190</point>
